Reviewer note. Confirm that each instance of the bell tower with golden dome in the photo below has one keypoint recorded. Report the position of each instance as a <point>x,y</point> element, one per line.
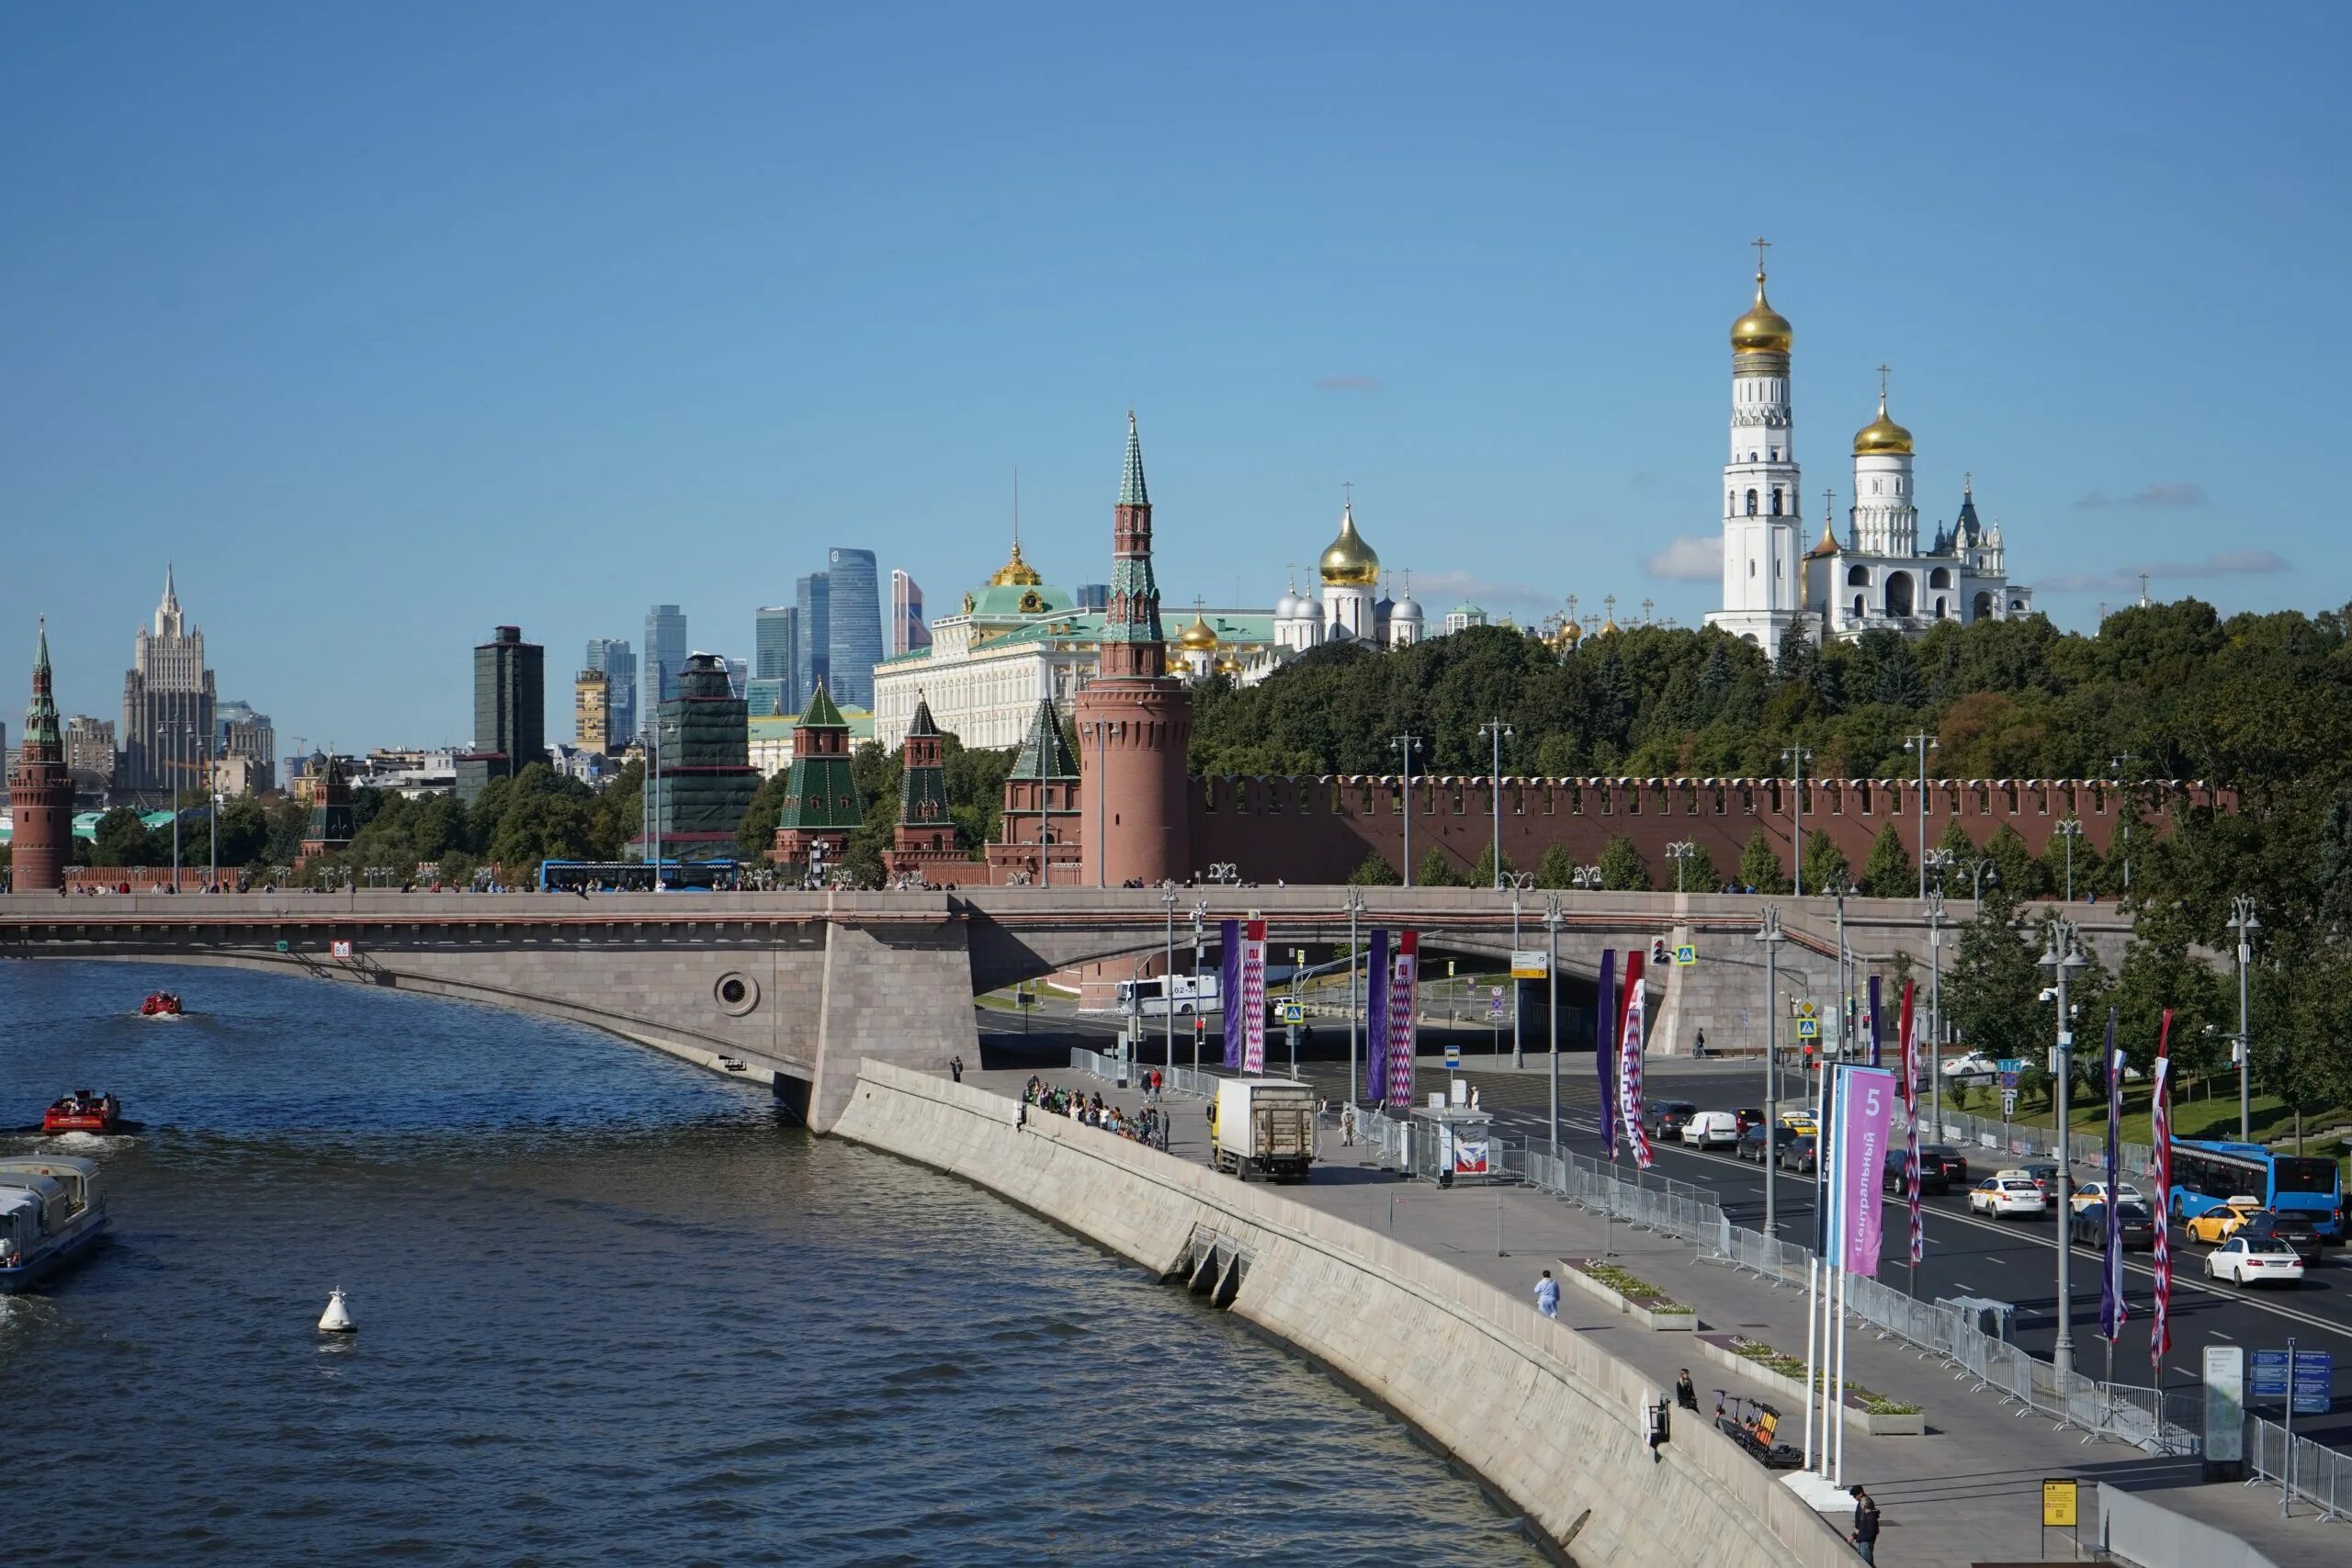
<point>1886,507</point>
<point>1350,572</point>
<point>1762,543</point>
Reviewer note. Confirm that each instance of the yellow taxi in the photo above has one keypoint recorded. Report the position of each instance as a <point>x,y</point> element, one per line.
<point>2215,1226</point>
<point>1799,1124</point>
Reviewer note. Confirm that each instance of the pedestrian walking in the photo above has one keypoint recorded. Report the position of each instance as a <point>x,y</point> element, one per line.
<point>1548,1295</point>
<point>955,1069</point>
<point>1348,1125</point>
<point>1865,1531</point>
<point>1699,1045</point>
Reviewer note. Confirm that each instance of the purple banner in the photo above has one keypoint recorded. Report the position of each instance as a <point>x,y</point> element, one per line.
<point>1604,1048</point>
<point>1375,1020</point>
<point>1862,1123</point>
<point>1401,1001</point>
<point>1874,1058</point>
<point>1229,990</point>
<point>1253,997</point>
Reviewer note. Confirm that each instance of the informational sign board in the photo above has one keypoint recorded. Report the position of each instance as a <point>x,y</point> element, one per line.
<point>2060,1500</point>
<point>2226,1404</point>
<point>1685,955</point>
<point>340,947</point>
<point>1529,966</point>
<point>2314,1379</point>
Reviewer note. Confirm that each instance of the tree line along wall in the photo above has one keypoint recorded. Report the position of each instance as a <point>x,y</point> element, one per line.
<point>1318,830</point>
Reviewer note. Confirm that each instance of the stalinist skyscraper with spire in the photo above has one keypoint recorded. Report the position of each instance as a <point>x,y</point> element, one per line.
<point>1877,576</point>
<point>167,703</point>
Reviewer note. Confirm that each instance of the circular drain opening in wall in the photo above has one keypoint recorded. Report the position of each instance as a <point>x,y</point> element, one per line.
<point>738,994</point>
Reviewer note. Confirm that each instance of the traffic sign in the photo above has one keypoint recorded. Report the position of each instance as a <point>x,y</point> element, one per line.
<point>1452,1056</point>
<point>1496,1011</point>
<point>1293,1012</point>
<point>1532,964</point>
<point>1685,955</point>
<point>1807,1010</point>
<point>341,947</point>
<point>1808,1029</point>
<point>2008,1103</point>
<point>2011,1069</point>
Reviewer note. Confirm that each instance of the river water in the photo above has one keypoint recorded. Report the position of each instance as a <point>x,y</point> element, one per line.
<point>611,1311</point>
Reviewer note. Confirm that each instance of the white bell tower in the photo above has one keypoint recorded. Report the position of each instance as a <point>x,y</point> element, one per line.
<point>1762,533</point>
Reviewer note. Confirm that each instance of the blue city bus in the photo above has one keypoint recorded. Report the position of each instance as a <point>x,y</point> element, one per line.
<point>2207,1174</point>
<point>636,877</point>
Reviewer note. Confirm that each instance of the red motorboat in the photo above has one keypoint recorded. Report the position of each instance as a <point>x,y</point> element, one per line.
<point>160,1004</point>
<point>83,1112</point>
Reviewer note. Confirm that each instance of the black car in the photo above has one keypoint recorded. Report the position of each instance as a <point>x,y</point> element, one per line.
<point>1799,1153</point>
<point>2138,1226</point>
<point>1931,1176</point>
<point>2296,1230</point>
<point>1954,1163</point>
<point>1751,1142</point>
<point>1667,1119</point>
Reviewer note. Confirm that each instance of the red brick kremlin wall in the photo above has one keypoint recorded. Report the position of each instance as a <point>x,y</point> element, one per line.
<point>1319,830</point>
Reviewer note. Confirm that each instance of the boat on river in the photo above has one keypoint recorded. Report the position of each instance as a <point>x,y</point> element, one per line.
<point>52,1212</point>
<point>160,1004</point>
<point>83,1112</point>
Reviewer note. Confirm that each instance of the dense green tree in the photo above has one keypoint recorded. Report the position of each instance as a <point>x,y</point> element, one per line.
<point>1374,871</point>
<point>1991,986</point>
<point>122,839</point>
<point>2021,874</point>
<point>1482,870</point>
<point>755,835</point>
<point>1890,872</point>
<point>1437,870</point>
<point>1759,865</point>
<point>1824,863</point>
<point>1557,868</point>
<point>1623,870</point>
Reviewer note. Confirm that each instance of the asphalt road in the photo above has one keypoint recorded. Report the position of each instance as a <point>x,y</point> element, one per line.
<point>2010,1260</point>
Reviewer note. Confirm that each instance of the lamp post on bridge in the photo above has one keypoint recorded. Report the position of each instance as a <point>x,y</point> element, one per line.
<point>1496,731</point>
<point>1167,976</point>
<point>1768,933</point>
<point>1585,878</point>
<point>1200,1020</point>
<point>1353,905</point>
<point>2070,830</point>
<point>1922,743</point>
<point>1405,746</point>
<point>1552,915</point>
<point>1520,882</point>
<point>2064,960</point>
<point>1681,855</point>
<point>1796,757</point>
<point>1936,1011</point>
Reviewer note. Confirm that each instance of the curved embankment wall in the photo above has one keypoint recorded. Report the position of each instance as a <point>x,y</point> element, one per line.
<point>1536,1409</point>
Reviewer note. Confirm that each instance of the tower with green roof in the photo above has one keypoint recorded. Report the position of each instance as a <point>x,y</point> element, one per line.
<point>41,790</point>
<point>820,804</point>
<point>1039,833</point>
<point>924,840</point>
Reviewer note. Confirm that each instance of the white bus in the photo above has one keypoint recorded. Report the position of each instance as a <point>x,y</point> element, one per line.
<point>1150,999</point>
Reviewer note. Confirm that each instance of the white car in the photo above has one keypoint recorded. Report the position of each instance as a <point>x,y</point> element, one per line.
<point>1973,1067</point>
<point>2000,1197</point>
<point>1712,1130</point>
<point>2254,1260</point>
<point>2091,1192</point>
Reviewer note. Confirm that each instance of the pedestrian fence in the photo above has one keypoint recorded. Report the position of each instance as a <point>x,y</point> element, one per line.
<point>2319,1475</point>
<point>2034,1143</point>
<point>1106,1066</point>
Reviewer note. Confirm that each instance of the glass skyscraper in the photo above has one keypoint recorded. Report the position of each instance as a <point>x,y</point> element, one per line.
<point>616,661</point>
<point>665,658</point>
<point>908,631</point>
<point>773,658</point>
<point>853,637</point>
<point>509,712</point>
<point>811,634</point>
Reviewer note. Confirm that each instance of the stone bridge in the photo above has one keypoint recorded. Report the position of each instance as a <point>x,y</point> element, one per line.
<point>793,988</point>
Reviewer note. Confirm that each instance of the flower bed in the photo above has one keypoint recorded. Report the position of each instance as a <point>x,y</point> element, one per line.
<point>1630,1294</point>
<point>1862,1409</point>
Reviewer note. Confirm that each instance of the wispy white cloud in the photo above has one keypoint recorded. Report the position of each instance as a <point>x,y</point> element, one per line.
<point>2126,580</point>
<point>1347,383</point>
<point>1440,590</point>
<point>2178,493</point>
<point>1692,557</point>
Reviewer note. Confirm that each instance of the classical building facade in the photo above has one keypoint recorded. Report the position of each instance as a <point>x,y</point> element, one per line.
<point>1878,577</point>
<point>41,789</point>
<point>167,705</point>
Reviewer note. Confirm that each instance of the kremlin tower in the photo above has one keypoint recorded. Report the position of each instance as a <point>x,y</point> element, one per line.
<point>40,791</point>
<point>1134,719</point>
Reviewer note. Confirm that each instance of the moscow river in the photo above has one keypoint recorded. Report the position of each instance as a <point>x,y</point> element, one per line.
<point>610,1310</point>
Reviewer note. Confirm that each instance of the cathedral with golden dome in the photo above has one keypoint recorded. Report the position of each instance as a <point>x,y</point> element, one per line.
<point>1877,576</point>
<point>1352,607</point>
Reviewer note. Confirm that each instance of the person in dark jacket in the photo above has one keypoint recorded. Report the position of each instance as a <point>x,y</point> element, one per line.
<point>1685,1395</point>
<point>1865,1533</point>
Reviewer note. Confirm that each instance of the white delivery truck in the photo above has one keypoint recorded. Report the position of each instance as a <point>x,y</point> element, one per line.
<point>1262,1127</point>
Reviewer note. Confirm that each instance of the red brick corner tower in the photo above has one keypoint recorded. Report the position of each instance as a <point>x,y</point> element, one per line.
<point>40,791</point>
<point>1133,720</point>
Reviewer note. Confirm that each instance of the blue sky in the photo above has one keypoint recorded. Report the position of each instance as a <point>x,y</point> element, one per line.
<point>392,323</point>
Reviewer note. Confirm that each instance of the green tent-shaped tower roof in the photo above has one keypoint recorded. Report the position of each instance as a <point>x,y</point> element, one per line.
<point>1044,754</point>
<point>819,793</point>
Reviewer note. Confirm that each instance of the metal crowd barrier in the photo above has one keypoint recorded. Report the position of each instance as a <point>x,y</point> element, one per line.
<point>1104,1065</point>
<point>2026,1142</point>
<point>2319,1475</point>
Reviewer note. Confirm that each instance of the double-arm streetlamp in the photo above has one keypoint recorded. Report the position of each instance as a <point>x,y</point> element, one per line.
<point>1497,731</point>
<point>1922,743</point>
<point>1936,1011</point>
<point>1983,869</point>
<point>2065,960</point>
<point>2070,830</point>
<point>1796,757</point>
<point>1681,854</point>
<point>1407,746</point>
<point>2243,923</point>
<point>1554,913</point>
<point>1353,905</point>
<point>1200,1023</point>
<point>1520,882</point>
<point>1768,933</point>
<point>1585,878</point>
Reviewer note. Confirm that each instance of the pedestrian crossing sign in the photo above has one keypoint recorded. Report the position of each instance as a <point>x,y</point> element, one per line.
<point>1685,955</point>
<point>1808,1029</point>
<point>1293,1012</point>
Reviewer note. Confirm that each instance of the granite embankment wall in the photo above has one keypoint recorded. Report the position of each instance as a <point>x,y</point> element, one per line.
<point>1544,1416</point>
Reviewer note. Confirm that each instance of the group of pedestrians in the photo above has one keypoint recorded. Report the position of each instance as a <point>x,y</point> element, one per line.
<point>1149,1126</point>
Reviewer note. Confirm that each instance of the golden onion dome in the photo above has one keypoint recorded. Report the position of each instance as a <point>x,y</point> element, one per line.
<point>1197,637</point>
<point>1229,663</point>
<point>1350,562</point>
<point>1016,572</point>
<point>1881,435</point>
<point>1828,545</point>
<point>1763,330</point>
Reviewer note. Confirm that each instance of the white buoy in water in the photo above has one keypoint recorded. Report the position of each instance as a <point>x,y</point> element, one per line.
<point>335,1319</point>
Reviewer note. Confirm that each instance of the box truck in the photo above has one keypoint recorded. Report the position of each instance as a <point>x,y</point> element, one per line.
<point>1262,1127</point>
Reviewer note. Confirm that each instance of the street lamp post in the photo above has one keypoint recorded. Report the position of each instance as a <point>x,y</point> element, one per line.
<point>2070,830</point>
<point>1200,914</point>
<point>1796,757</point>
<point>1680,855</point>
<point>1936,1011</point>
<point>1497,731</point>
<point>1922,743</point>
<point>1768,933</point>
<point>1519,882</point>
<point>1552,915</point>
<point>1585,878</point>
<point>2131,809</point>
<point>2244,925</point>
<point>1986,869</point>
<point>1353,905</point>
<point>1167,976</point>
<point>2064,960</point>
<point>1405,746</point>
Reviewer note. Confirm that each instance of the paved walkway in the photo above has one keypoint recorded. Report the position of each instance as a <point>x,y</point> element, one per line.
<point>1968,1492</point>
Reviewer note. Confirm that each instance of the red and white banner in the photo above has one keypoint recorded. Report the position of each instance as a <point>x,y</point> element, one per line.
<point>1910,1039</point>
<point>1403,977</point>
<point>1253,997</point>
<point>1629,1063</point>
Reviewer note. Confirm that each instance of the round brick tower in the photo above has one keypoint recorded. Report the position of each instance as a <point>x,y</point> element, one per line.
<point>40,791</point>
<point>1133,720</point>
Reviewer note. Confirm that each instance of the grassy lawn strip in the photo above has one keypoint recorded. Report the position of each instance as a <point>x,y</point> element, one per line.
<point>1794,1367</point>
<point>1633,1285</point>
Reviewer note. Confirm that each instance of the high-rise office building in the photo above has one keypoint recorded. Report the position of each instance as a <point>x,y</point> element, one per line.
<point>664,658</point>
<point>766,699</point>
<point>168,698</point>
<point>908,631</point>
<point>89,747</point>
<point>509,712</point>
<point>738,675</point>
<point>811,636</point>
<point>614,659</point>
<point>1093,596</point>
<point>853,632</point>
<point>591,711</point>
<point>239,731</point>
<point>773,654</point>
